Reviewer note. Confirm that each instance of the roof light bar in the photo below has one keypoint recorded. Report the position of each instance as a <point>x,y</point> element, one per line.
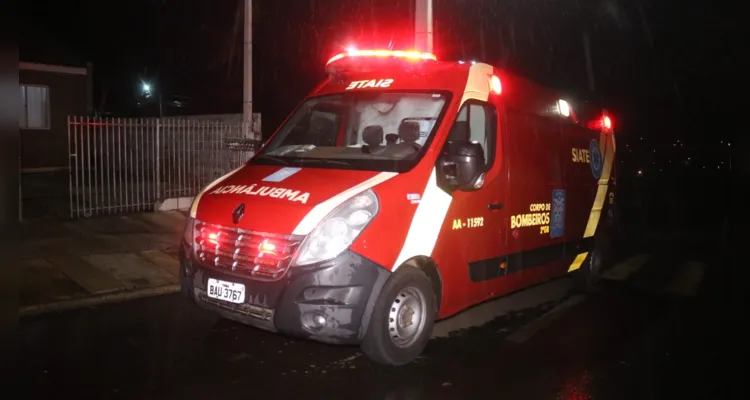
<point>411,55</point>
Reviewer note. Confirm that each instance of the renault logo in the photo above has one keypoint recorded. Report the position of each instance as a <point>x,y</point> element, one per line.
<point>238,213</point>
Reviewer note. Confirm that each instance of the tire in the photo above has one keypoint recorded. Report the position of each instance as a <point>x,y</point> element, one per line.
<point>186,284</point>
<point>590,272</point>
<point>402,319</point>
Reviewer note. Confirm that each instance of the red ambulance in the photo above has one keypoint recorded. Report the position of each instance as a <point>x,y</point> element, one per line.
<point>401,191</point>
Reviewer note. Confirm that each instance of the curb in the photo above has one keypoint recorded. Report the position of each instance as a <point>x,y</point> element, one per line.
<point>67,305</point>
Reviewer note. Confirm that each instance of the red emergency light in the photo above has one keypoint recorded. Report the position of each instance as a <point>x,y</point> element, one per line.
<point>603,123</point>
<point>266,247</point>
<point>408,55</point>
<point>495,85</point>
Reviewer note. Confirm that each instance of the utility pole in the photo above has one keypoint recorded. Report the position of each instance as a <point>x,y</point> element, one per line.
<point>247,102</point>
<point>423,25</point>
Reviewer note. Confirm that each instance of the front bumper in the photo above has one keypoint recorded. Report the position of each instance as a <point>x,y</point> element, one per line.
<point>342,291</point>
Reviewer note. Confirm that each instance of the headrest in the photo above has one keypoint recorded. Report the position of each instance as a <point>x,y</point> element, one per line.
<point>373,135</point>
<point>460,132</point>
<point>408,131</point>
<point>391,138</point>
<point>320,123</point>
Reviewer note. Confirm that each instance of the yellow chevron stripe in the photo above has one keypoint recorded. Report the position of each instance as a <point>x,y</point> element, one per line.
<point>607,147</point>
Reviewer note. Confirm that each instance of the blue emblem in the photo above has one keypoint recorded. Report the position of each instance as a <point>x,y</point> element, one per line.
<point>597,161</point>
<point>557,214</point>
<point>281,174</point>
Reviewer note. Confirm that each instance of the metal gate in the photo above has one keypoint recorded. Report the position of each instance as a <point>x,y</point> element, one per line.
<point>121,165</point>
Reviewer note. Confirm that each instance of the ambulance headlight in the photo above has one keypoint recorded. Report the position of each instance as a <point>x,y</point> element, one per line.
<point>338,230</point>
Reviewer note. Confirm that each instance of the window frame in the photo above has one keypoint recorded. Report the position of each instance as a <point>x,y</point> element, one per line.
<point>25,109</point>
<point>490,124</point>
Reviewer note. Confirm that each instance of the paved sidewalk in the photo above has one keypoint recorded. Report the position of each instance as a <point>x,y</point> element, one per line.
<point>81,263</point>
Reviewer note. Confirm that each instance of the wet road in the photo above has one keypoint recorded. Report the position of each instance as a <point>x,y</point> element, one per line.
<point>650,331</point>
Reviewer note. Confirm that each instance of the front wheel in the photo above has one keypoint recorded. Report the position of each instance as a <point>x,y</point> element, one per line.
<point>186,283</point>
<point>402,320</point>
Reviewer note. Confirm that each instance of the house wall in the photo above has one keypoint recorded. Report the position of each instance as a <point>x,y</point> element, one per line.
<point>47,149</point>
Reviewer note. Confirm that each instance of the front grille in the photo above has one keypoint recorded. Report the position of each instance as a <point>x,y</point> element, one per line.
<point>255,255</point>
<point>248,310</point>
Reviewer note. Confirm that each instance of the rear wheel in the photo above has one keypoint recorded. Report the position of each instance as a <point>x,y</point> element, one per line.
<point>590,272</point>
<point>402,320</point>
<point>591,269</point>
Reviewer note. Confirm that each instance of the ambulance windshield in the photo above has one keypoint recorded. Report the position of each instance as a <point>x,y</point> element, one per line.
<point>358,130</point>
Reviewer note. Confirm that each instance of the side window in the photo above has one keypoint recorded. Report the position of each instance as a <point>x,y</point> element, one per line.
<point>477,122</point>
<point>34,107</point>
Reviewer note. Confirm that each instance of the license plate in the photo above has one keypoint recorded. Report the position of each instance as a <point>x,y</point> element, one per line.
<point>227,291</point>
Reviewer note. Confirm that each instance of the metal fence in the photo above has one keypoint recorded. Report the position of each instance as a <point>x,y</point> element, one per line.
<point>120,165</point>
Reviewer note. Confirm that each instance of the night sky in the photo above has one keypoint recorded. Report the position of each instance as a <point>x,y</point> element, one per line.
<point>659,66</point>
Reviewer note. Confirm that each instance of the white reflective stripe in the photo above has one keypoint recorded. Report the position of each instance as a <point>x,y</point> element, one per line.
<point>313,218</point>
<point>427,222</point>
<point>194,207</point>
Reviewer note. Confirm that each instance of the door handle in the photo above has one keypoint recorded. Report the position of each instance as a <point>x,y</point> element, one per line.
<point>495,206</point>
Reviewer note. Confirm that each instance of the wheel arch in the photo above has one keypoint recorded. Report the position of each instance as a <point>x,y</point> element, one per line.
<point>422,263</point>
<point>430,268</point>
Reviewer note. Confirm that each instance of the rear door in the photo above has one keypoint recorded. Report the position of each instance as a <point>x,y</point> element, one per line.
<point>534,250</point>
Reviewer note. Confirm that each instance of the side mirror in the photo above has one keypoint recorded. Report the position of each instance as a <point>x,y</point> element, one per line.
<point>242,144</point>
<point>461,166</point>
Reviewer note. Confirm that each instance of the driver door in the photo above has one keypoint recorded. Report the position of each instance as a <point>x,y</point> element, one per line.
<point>476,219</point>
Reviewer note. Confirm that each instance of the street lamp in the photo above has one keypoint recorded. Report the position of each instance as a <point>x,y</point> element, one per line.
<point>147,90</point>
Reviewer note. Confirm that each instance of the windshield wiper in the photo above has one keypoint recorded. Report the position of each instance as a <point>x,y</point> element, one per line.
<point>274,158</point>
<point>323,161</point>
